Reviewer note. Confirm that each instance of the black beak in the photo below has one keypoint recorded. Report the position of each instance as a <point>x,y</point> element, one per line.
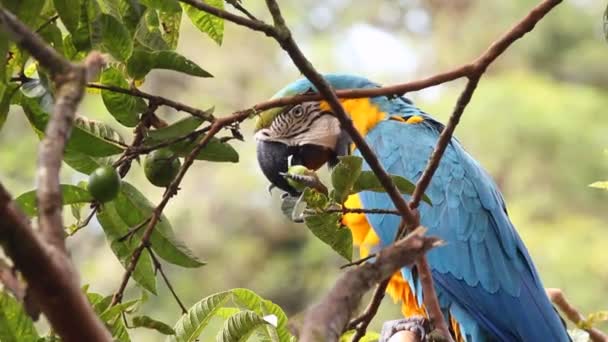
<point>273,159</point>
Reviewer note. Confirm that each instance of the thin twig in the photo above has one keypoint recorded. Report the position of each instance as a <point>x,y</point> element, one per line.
<point>372,211</point>
<point>558,298</point>
<point>171,190</point>
<point>158,267</point>
<point>358,262</point>
<point>159,100</point>
<point>236,4</point>
<point>361,323</point>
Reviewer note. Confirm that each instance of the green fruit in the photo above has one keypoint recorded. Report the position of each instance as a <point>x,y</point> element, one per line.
<point>104,183</point>
<point>298,170</point>
<point>161,166</point>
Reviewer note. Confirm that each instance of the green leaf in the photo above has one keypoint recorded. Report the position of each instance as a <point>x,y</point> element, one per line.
<point>69,12</point>
<point>80,161</point>
<point>240,326</point>
<point>148,32</point>
<point>226,312</point>
<point>6,94</point>
<point>133,207</point>
<point>28,11</point>
<point>327,227</point>
<point>207,23</point>
<point>600,185</point>
<point>15,324</point>
<point>215,150</point>
<point>114,229</point>
<point>142,61</point>
<point>70,194</point>
<point>344,176</point>
<point>190,325</point>
<point>178,129</point>
<point>264,307</point>
<point>368,181</point>
<point>99,129</point>
<point>80,140</point>
<point>123,107</point>
<point>3,52</point>
<point>115,37</point>
<point>163,5</point>
<point>147,322</point>
<point>170,24</point>
<point>314,199</point>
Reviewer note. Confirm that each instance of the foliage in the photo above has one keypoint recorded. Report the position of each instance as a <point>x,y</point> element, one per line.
<point>347,178</point>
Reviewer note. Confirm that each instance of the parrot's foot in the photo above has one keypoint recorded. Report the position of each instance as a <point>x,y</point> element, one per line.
<point>416,324</point>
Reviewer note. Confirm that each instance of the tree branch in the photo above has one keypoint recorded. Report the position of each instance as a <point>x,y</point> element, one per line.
<point>558,298</point>
<point>45,264</point>
<point>327,320</point>
<point>50,276</point>
<point>171,190</point>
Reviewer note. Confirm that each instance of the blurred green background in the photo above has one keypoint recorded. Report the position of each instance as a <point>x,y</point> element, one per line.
<point>537,122</point>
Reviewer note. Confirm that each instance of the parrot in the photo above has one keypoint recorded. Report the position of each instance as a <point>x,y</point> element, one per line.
<point>486,282</point>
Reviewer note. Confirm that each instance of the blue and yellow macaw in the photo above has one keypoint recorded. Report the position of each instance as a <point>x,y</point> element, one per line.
<point>485,279</point>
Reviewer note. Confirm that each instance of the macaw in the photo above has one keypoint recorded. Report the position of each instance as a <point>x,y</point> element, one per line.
<point>486,282</point>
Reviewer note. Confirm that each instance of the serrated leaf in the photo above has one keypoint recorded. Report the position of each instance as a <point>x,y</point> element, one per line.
<point>163,5</point>
<point>70,194</point>
<point>98,128</point>
<point>344,175</point>
<point>190,325</point>
<point>15,324</point>
<point>264,308</point>
<point>114,229</point>
<point>207,23</point>
<point>115,37</point>
<point>80,140</point>
<point>600,185</point>
<point>133,208</point>
<point>368,181</point>
<point>124,108</point>
<point>327,227</point>
<point>177,129</point>
<point>240,326</point>
<point>150,323</point>
<point>69,12</point>
<point>142,61</point>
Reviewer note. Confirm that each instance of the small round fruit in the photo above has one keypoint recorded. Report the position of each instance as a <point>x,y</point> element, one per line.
<point>298,170</point>
<point>104,183</point>
<point>161,166</point>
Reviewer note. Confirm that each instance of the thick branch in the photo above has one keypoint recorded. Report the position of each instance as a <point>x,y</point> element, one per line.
<point>51,278</point>
<point>70,89</point>
<point>327,320</point>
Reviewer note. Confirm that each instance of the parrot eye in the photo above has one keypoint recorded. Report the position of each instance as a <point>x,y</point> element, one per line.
<point>297,111</point>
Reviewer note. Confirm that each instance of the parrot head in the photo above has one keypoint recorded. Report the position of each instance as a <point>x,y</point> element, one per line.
<point>305,134</point>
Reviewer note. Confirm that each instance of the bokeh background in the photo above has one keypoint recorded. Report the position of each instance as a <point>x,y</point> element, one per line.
<point>537,122</point>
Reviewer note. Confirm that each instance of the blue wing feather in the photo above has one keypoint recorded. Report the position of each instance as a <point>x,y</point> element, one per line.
<point>484,274</point>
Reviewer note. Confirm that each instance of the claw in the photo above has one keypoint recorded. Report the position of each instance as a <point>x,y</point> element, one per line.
<point>416,324</point>
<point>270,187</point>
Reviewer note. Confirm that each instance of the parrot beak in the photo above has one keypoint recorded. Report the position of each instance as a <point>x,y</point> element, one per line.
<point>273,158</point>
